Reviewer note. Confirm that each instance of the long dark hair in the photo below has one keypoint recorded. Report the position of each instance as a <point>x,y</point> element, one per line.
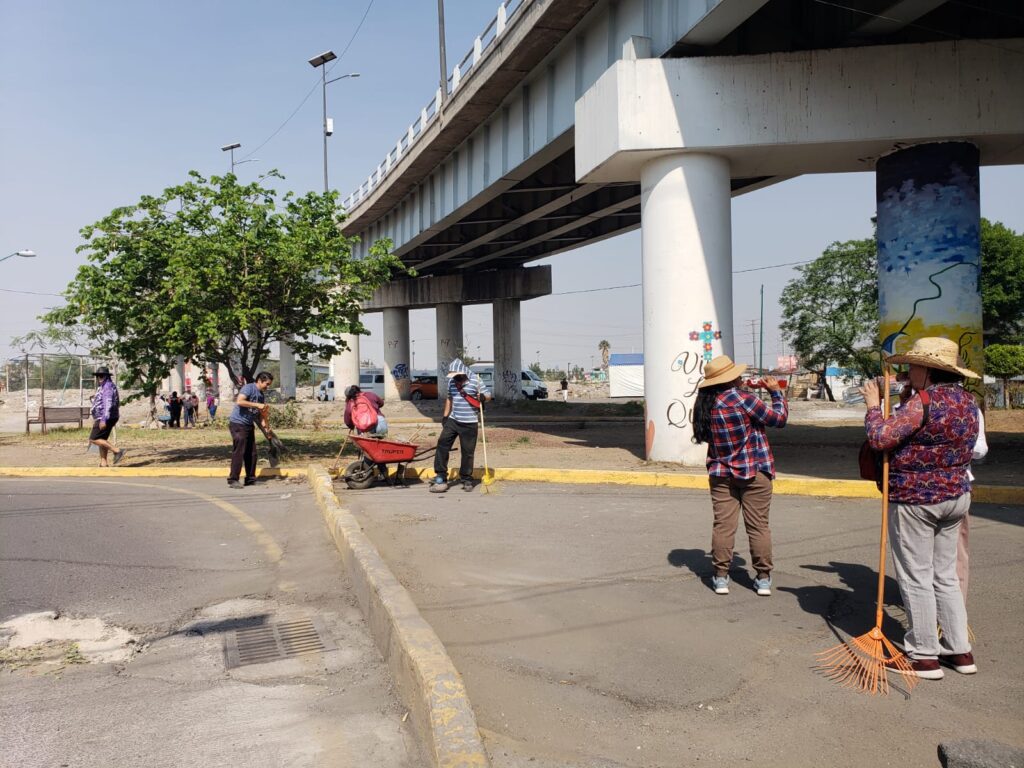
<point>706,397</point>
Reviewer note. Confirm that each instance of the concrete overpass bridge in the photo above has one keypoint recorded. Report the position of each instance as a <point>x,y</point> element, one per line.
<point>570,121</point>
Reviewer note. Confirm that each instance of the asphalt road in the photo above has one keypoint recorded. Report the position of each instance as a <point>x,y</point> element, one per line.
<point>583,623</point>
<point>183,564</point>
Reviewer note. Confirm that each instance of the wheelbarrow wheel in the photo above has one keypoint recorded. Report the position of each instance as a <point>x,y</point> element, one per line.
<point>360,476</point>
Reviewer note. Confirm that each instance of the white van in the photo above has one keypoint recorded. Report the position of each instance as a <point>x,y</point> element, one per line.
<point>370,380</point>
<point>532,387</point>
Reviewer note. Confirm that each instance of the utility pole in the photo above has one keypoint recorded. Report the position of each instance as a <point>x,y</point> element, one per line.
<point>753,342</point>
<point>444,63</point>
<point>760,359</point>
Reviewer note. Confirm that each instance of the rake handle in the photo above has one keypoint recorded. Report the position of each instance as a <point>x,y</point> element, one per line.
<point>885,507</point>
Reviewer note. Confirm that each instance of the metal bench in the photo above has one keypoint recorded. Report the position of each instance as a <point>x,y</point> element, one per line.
<point>50,414</point>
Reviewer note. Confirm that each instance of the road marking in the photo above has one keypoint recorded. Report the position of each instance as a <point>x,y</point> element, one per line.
<point>270,547</point>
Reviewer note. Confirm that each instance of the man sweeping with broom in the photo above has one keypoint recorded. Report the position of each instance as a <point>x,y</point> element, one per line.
<point>466,396</point>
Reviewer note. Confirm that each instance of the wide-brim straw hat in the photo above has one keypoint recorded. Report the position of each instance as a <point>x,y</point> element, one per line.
<point>935,352</point>
<point>720,370</point>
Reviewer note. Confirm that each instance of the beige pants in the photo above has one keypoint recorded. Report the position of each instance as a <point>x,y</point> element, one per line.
<point>730,495</point>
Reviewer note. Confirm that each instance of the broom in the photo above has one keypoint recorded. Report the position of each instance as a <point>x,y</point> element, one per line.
<point>862,662</point>
<point>487,479</point>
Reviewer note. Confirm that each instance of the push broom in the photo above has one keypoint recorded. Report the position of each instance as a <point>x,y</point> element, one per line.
<point>487,480</point>
<point>862,662</point>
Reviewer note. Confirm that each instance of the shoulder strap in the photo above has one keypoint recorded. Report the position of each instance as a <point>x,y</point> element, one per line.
<point>926,401</point>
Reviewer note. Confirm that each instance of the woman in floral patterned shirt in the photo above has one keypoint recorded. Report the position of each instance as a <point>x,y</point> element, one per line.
<point>929,459</point>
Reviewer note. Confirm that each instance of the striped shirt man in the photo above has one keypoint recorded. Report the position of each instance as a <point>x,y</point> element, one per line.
<point>462,410</point>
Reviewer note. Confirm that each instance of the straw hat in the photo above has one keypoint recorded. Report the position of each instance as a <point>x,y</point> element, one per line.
<point>720,370</point>
<point>935,352</point>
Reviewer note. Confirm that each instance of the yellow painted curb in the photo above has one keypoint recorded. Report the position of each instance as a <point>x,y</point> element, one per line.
<point>792,486</point>
<point>116,472</point>
<point>427,681</point>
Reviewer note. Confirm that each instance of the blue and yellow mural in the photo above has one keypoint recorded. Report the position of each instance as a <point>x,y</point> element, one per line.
<point>929,259</point>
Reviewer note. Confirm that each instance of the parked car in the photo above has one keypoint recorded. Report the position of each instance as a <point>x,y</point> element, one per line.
<point>423,388</point>
<point>370,380</point>
<point>532,387</point>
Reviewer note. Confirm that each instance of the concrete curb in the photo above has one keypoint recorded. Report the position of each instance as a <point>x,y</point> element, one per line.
<point>428,683</point>
<point>791,486</point>
<point>784,486</point>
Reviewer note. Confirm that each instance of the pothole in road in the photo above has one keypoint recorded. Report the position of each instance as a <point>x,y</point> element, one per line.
<point>51,641</point>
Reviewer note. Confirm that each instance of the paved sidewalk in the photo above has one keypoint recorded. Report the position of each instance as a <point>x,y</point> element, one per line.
<point>583,624</point>
<point>183,564</point>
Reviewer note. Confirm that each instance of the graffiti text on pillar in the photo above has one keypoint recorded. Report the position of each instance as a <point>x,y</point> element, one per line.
<point>511,382</point>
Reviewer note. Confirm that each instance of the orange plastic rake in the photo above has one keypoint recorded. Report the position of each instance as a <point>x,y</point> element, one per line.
<point>862,662</point>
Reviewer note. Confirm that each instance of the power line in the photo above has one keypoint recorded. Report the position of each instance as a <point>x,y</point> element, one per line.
<point>315,85</point>
<point>911,24</point>
<point>31,293</point>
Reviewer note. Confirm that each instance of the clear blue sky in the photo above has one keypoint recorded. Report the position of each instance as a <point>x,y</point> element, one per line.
<point>104,102</point>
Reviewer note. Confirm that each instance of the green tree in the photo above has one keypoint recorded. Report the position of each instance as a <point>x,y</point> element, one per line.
<point>605,348</point>
<point>830,312</point>
<point>1002,283</point>
<point>1004,361</point>
<point>217,271</point>
<point>535,367</point>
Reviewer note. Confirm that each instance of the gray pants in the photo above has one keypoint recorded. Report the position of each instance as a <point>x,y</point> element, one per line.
<point>924,544</point>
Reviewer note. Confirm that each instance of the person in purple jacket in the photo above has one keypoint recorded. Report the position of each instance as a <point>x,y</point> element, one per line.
<point>106,410</point>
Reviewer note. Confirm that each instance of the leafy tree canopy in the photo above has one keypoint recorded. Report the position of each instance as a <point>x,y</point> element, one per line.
<point>1002,283</point>
<point>1004,361</point>
<point>214,270</point>
<point>830,312</point>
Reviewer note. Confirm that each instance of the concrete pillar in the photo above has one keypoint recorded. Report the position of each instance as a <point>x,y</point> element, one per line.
<point>687,293</point>
<point>177,377</point>
<point>396,354</point>
<point>508,363</point>
<point>225,387</point>
<point>344,368</point>
<point>929,236</point>
<point>287,360</point>
<point>448,319</point>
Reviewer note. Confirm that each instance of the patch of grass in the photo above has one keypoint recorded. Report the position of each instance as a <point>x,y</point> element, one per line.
<point>523,440</point>
<point>73,655</point>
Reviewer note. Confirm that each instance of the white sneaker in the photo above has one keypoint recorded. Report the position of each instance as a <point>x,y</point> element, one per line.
<point>720,584</point>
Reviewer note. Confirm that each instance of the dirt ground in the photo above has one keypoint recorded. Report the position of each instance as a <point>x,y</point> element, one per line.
<point>821,440</point>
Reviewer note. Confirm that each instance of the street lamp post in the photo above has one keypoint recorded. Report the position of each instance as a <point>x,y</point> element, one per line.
<point>321,61</point>
<point>231,148</point>
<point>24,253</point>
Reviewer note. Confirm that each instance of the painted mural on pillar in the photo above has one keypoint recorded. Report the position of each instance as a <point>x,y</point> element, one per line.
<point>929,266</point>
<point>706,336</point>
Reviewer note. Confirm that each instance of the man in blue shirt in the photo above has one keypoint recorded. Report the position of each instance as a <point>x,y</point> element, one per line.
<point>466,395</point>
<point>249,406</point>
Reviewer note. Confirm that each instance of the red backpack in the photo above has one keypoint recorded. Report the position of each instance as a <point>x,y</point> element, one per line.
<point>364,415</point>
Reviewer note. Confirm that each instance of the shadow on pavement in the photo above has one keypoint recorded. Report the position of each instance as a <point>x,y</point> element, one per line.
<point>853,611</point>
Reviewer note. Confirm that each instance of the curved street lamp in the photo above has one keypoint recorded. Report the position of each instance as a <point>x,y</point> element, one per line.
<point>321,61</point>
<point>24,253</point>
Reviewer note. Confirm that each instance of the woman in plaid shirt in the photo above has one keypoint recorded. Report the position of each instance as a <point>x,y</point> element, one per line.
<point>740,465</point>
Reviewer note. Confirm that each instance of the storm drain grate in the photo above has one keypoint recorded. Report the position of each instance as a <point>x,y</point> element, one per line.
<point>271,642</point>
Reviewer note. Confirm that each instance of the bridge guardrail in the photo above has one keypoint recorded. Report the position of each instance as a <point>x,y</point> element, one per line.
<point>509,12</point>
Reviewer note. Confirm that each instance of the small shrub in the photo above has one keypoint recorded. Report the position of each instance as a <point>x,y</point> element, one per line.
<point>317,422</point>
<point>285,418</point>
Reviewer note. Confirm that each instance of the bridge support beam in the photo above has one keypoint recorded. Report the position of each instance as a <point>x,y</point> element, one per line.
<point>344,367</point>
<point>448,319</point>
<point>287,362</point>
<point>687,292</point>
<point>929,230</point>
<point>507,350</point>
<point>177,377</point>
<point>396,354</point>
